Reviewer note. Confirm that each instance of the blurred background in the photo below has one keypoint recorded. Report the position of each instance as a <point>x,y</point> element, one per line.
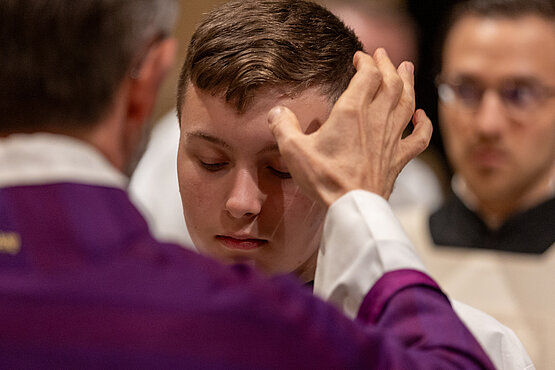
<point>191,12</point>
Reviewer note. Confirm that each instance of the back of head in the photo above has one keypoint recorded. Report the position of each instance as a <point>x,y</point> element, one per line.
<point>62,60</point>
<point>289,45</point>
<point>380,23</point>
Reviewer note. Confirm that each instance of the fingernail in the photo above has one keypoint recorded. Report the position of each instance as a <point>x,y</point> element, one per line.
<point>418,115</point>
<point>381,52</point>
<point>409,67</point>
<point>273,114</point>
<point>356,58</point>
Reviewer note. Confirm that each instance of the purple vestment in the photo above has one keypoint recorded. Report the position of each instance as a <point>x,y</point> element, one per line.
<point>84,285</point>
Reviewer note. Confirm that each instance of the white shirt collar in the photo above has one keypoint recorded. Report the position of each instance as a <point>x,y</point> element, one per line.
<point>462,191</point>
<point>42,158</point>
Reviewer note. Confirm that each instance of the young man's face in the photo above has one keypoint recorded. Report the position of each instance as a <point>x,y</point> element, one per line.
<point>503,145</point>
<point>239,201</point>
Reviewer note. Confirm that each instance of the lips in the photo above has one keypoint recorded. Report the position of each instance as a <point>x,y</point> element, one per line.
<point>241,243</point>
<point>486,157</point>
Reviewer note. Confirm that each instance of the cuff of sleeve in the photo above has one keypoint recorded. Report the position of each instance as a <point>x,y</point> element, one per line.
<point>361,241</point>
<point>385,288</point>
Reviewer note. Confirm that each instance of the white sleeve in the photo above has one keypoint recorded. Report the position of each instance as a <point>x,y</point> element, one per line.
<point>500,343</point>
<point>361,241</point>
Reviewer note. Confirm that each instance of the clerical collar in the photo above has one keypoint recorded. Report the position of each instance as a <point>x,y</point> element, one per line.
<point>43,158</point>
<point>461,190</point>
<point>467,197</point>
<point>531,231</point>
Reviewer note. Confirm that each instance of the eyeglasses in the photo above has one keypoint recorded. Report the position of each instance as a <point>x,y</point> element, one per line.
<point>519,97</point>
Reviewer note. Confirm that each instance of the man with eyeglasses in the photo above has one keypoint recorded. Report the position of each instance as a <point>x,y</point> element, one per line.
<point>492,244</point>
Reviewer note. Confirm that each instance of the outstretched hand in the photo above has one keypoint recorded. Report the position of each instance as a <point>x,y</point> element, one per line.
<point>360,146</point>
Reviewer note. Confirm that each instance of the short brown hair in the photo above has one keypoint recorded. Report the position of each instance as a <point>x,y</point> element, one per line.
<point>62,60</point>
<point>291,45</point>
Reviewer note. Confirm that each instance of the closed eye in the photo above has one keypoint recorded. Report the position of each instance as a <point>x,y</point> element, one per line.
<point>213,167</point>
<point>280,174</point>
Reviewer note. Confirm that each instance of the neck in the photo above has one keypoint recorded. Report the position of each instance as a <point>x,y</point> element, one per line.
<point>494,212</point>
<point>116,140</point>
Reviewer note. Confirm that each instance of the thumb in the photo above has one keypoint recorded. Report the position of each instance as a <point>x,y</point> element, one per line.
<point>284,125</point>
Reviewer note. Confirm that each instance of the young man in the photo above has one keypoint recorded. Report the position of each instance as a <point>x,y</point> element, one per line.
<point>82,282</point>
<point>492,243</point>
<point>377,23</point>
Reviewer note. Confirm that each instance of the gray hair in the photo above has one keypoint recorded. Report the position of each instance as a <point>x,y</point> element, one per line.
<point>62,60</point>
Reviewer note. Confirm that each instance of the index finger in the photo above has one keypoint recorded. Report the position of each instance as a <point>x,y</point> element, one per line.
<point>392,85</point>
<point>365,82</point>
<point>406,72</point>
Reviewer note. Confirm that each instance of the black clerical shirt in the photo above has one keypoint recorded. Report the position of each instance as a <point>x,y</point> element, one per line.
<point>531,231</point>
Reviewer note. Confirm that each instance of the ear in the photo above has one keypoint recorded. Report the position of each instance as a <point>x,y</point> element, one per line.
<point>145,82</point>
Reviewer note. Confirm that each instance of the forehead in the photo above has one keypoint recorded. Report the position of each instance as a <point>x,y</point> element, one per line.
<point>504,47</point>
<point>212,114</point>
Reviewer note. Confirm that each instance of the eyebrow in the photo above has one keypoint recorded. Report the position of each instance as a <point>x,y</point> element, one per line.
<point>522,79</point>
<point>216,140</point>
<point>204,136</point>
<point>270,148</point>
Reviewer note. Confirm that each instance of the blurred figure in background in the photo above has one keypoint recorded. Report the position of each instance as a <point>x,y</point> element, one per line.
<point>153,186</point>
<point>380,23</point>
<point>491,244</point>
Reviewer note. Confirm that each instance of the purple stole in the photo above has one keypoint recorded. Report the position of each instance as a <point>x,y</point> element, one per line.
<point>83,284</point>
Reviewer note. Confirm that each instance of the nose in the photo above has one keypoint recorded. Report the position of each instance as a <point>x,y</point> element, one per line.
<point>245,198</point>
<point>491,116</point>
